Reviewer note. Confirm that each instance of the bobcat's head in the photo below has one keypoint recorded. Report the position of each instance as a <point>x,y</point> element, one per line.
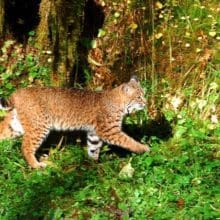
<point>133,96</point>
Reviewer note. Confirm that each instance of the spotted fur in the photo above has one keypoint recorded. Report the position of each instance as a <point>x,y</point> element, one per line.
<point>38,110</point>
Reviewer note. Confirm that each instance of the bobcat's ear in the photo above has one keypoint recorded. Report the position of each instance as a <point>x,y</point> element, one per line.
<point>134,78</point>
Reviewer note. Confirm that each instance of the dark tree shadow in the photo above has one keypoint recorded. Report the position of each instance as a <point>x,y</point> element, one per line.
<point>22,17</point>
<point>93,21</point>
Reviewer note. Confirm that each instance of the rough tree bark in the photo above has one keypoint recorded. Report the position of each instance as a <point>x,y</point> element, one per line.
<point>59,29</point>
<point>2,16</point>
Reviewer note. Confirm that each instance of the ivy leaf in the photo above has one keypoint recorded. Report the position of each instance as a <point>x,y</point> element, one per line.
<point>180,130</point>
<point>94,44</point>
<point>127,171</point>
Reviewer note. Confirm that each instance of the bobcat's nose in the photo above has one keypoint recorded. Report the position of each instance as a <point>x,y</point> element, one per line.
<point>143,102</point>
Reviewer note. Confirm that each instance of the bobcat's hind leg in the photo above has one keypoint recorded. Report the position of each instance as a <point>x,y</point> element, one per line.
<point>94,144</point>
<point>31,142</point>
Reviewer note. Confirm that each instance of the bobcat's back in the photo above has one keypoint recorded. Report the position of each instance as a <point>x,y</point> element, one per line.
<point>61,109</point>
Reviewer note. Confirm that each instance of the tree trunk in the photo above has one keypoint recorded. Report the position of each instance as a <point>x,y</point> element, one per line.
<point>2,16</point>
<point>59,29</point>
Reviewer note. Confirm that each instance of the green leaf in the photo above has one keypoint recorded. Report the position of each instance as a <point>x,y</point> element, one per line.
<point>94,44</point>
<point>101,33</point>
<point>180,131</point>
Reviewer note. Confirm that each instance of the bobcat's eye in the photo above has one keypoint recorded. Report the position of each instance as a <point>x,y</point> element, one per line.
<point>141,97</point>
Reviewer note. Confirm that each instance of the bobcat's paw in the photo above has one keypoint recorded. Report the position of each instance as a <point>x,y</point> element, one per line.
<point>94,153</point>
<point>42,165</point>
<point>143,148</point>
<point>39,165</point>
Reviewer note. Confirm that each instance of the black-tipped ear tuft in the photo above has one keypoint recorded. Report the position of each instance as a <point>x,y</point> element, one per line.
<point>134,78</point>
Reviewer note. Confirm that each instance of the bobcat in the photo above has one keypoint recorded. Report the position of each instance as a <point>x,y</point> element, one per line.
<point>35,111</point>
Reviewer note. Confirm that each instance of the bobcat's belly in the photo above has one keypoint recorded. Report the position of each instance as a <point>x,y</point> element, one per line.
<point>65,125</point>
<point>15,124</point>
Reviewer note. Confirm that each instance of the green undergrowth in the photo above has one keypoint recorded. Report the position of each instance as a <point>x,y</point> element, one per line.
<point>21,66</point>
<point>178,179</point>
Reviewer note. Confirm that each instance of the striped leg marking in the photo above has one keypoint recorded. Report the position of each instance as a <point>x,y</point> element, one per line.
<point>94,144</point>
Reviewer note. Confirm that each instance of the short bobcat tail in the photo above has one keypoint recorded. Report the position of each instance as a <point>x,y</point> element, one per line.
<point>4,105</point>
<point>5,129</point>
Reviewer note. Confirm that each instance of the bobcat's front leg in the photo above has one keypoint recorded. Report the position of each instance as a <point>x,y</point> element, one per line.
<point>115,136</point>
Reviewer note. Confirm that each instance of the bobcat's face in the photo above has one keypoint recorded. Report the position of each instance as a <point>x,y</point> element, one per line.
<point>133,95</point>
